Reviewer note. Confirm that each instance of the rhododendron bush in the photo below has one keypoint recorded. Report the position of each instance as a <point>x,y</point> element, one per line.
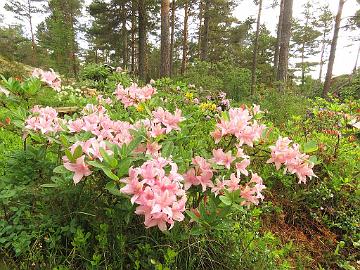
<point>149,156</point>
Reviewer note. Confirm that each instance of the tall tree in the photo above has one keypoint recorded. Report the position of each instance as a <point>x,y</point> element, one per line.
<point>205,31</point>
<point>278,37</point>
<point>142,29</point>
<point>165,45</point>
<point>185,37</point>
<point>58,34</point>
<point>328,77</point>
<point>305,38</point>
<point>282,74</point>
<point>133,34</point>
<point>256,46</point>
<point>325,24</point>
<point>172,36</point>
<point>26,9</point>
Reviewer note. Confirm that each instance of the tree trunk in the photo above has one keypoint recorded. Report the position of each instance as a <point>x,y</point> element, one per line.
<point>277,47</point>
<point>173,8</point>
<point>256,46</point>
<point>205,34</point>
<point>201,11</point>
<point>303,57</point>
<point>133,32</point>
<point>125,38</point>
<point>357,60</point>
<point>142,40</point>
<point>165,45</point>
<point>185,37</point>
<point>333,49</point>
<point>33,45</point>
<point>323,46</point>
<point>282,74</point>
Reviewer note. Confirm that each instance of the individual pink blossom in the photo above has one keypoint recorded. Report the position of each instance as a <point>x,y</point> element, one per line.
<point>49,77</point>
<point>221,158</point>
<point>218,188</point>
<point>170,121</point>
<point>241,167</point>
<point>79,168</point>
<point>200,175</point>
<point>233,183</point>
<point>153,149</point>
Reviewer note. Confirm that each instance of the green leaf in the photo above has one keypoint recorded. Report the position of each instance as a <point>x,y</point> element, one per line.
<point>60,169</point>
<point>192,216</point>
<point>124,166</point>
<point>310,147</point>
<point>108,158</point>
<point>167,149</point>
<point>69,155</point>
<point>50,185</point>
<point>78,152</point>
<point>110,174</point>
<point>113,189</point>
<point>226,200</point>
<point>96,164</point>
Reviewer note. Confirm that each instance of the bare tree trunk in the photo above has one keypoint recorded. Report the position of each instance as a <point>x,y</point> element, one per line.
<point>201,11</point>
<point>142,40</point>
<point>172,35</point>
<point>185,37</point>
<point>333,49</point>
<point>33,45</point>
<point>277,47</point>
<point>303,57</point>
<point>125,38</point>
<point>256,46</point>
<point>323,46</point>
<point>282,74</point>
<point>356,61</point>
<point>165,45</point>
<point>205,36</point>
<point>133,32</point>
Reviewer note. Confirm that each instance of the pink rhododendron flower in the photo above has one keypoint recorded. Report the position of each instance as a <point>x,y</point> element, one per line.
<point>222,158</point>
<point>170,121</point>
<point>133,95</point>
<point>200,175</point>
<point>44,120</point>
<point>241,167</point>
<point>79,168</point>
<point>295,162</point>
<point>238,123</point>
<point>160,195</point>
<point>49,77</point>
<point>233,183</point>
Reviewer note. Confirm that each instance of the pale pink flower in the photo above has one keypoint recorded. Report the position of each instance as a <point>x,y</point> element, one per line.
<point>79,168</point>
<point>241,167</point>
<point>233,183</point>
<point>221,158</point>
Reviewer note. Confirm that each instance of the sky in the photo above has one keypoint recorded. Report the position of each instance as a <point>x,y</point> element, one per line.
<point>345,55</point>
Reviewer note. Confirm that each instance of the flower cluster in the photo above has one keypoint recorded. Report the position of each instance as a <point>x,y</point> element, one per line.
<point>133,95</point>
<point>237,123</point>
<point>49,77</point>
<point>160,195</point>
<point>289,155</point>
<point>44,120</point>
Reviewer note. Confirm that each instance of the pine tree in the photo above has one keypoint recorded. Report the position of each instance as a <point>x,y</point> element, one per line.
<point>165,35</point>
<point>282,73</point>
<point>26,9</point>
<point>256,46</point>
<point>333,49</point>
